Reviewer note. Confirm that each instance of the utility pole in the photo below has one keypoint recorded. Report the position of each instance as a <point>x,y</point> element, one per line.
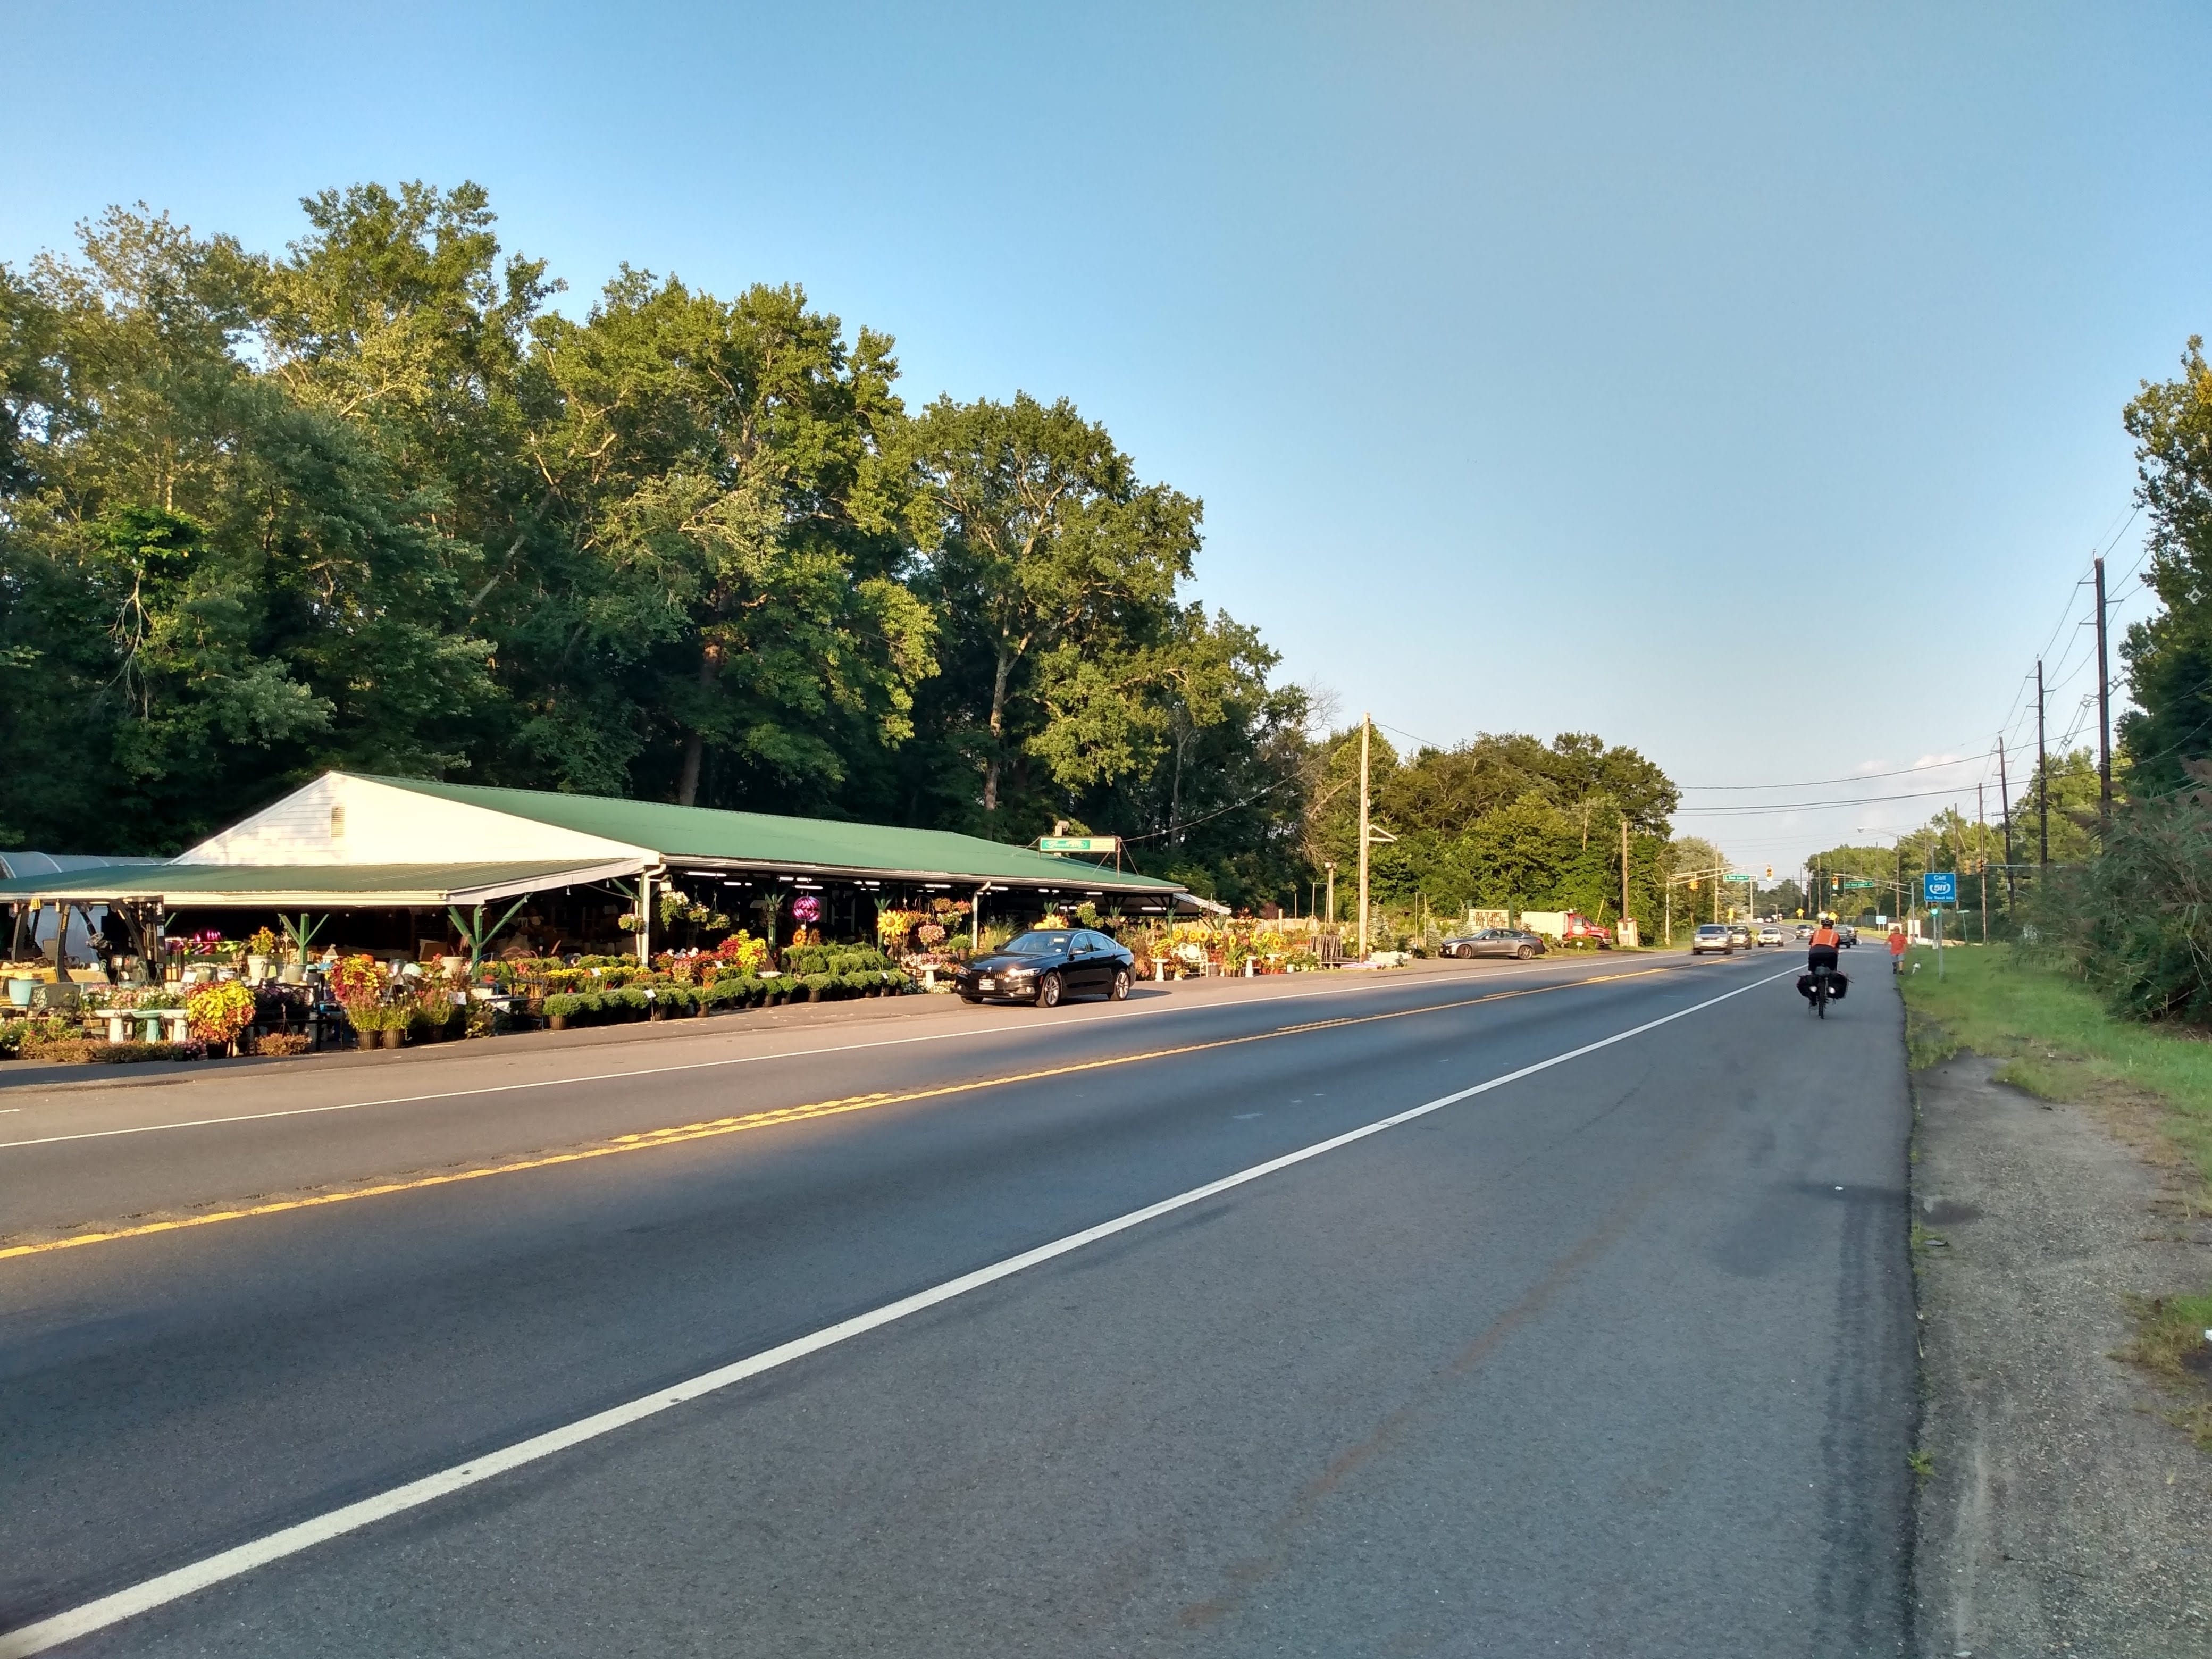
<point>1366,727</point>
<point>2042,779</point>
<point>1623,866</point>
<point>1982,857</point>
<point>2004,806</point>
<point>2104,718</point>
<point>1331,895</point>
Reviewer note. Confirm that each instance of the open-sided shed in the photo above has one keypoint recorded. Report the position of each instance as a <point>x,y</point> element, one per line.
<point>404,850</point>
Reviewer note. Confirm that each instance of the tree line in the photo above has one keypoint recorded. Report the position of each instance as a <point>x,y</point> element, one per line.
<point>375,503</point>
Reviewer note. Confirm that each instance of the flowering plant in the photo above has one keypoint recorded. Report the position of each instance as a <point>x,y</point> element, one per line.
<point>749,955</point>
<point>262,944</point>
<point>220,1013</point>
<point>930,934</point>
<point>359,982</point>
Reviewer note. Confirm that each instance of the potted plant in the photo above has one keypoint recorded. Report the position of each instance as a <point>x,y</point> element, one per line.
<point>220,1013</point>
<point>260,954</point>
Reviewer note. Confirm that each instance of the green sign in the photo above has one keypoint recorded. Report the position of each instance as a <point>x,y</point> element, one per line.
<point>1079,844</point>
<point>1861,884</point>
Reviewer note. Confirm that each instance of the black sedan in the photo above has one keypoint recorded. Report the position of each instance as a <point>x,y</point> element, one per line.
<point>1494,942</point>
<point>1047,964</point>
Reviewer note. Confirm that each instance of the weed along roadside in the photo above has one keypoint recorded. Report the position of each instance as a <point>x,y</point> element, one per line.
<point>2062,1243</point>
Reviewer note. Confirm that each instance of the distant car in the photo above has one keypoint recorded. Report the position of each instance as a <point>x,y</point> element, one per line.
<point>1713,936</point>
<point>1494,942</point>
<point>1047,964</point>
<point>1770,934</point>
<point>1847,933</point>
<point>1803,932</point>
<point>1740,935</point>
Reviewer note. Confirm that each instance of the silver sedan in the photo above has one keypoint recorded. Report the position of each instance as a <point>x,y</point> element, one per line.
<point>1494,942</point>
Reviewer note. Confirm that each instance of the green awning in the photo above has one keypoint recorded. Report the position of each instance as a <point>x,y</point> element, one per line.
<point>772,844</point>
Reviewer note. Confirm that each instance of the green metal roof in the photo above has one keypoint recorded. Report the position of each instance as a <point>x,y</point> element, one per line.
<point>764,841</point>
<point>325,884</point>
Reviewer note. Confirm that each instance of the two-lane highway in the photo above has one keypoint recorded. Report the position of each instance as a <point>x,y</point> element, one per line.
<point>1498,1311</point>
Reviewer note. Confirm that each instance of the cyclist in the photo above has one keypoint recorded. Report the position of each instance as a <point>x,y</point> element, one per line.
<point>1821,952</point>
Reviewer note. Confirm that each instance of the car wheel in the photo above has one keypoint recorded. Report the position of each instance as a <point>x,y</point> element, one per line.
<point>1121,990</point>
<point>1047,991</point>
<point>1465,953</point>
<point>1522,954</point>
<point>970,998</point>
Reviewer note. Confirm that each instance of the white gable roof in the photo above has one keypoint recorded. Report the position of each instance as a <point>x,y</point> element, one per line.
<point>341,819</point>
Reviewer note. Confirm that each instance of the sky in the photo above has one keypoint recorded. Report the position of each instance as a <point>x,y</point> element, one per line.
<point>1740,382</point>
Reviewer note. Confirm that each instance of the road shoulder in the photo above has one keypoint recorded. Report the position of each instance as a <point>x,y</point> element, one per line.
<point>2061,1511</point>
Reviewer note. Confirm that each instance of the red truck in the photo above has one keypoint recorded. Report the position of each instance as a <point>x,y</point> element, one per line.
<point>1581,927</point>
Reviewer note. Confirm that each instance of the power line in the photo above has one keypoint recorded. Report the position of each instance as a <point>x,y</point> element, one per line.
<point>1857,777</point>
<point>1812,806</point>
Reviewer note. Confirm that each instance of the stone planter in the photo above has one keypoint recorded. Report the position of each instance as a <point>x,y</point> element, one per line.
<point>257,968</point>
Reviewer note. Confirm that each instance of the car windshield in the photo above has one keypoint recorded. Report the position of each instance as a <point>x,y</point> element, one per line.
<point>1037,945</point>
<point>1711,930</point>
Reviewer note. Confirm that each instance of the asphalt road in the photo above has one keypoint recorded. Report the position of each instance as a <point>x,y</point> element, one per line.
<point>1613,1358</point>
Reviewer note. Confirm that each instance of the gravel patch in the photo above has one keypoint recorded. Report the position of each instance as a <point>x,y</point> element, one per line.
<point>2064,1514</point>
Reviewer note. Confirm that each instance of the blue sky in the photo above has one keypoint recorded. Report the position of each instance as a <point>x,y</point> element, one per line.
<point>1542,367</point>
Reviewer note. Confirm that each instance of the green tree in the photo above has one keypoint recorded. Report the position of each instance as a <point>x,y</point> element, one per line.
<point>1055,569</point>
<point>212,590</point>
<point>718,468</point>
<point>2169,657</point>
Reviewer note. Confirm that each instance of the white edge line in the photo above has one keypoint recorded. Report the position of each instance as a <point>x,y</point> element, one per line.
<point>183,1581</point>
<point>687,1065</point>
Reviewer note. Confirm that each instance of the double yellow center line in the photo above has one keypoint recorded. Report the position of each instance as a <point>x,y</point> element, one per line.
<point>678,1134</point>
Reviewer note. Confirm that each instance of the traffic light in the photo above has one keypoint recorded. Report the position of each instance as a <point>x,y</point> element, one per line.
<point>1694,884</point>
<point>1770,873</point>
<point>1838,887</point>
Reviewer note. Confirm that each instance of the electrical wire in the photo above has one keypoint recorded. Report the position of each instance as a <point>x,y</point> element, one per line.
<point>1857,777</point>
<point>1955,791</point>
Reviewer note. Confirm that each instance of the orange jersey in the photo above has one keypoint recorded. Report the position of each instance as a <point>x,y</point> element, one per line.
<point>1827,935</point>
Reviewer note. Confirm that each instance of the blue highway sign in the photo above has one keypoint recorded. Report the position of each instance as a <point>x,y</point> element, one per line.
<point>1940,887</point>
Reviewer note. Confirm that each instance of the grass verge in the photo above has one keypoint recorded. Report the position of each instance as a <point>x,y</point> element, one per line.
<point>2057,1042</point>
<point>2173,1343</point>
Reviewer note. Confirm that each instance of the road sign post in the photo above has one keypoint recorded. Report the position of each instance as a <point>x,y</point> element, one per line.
<point>1937,889</point>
